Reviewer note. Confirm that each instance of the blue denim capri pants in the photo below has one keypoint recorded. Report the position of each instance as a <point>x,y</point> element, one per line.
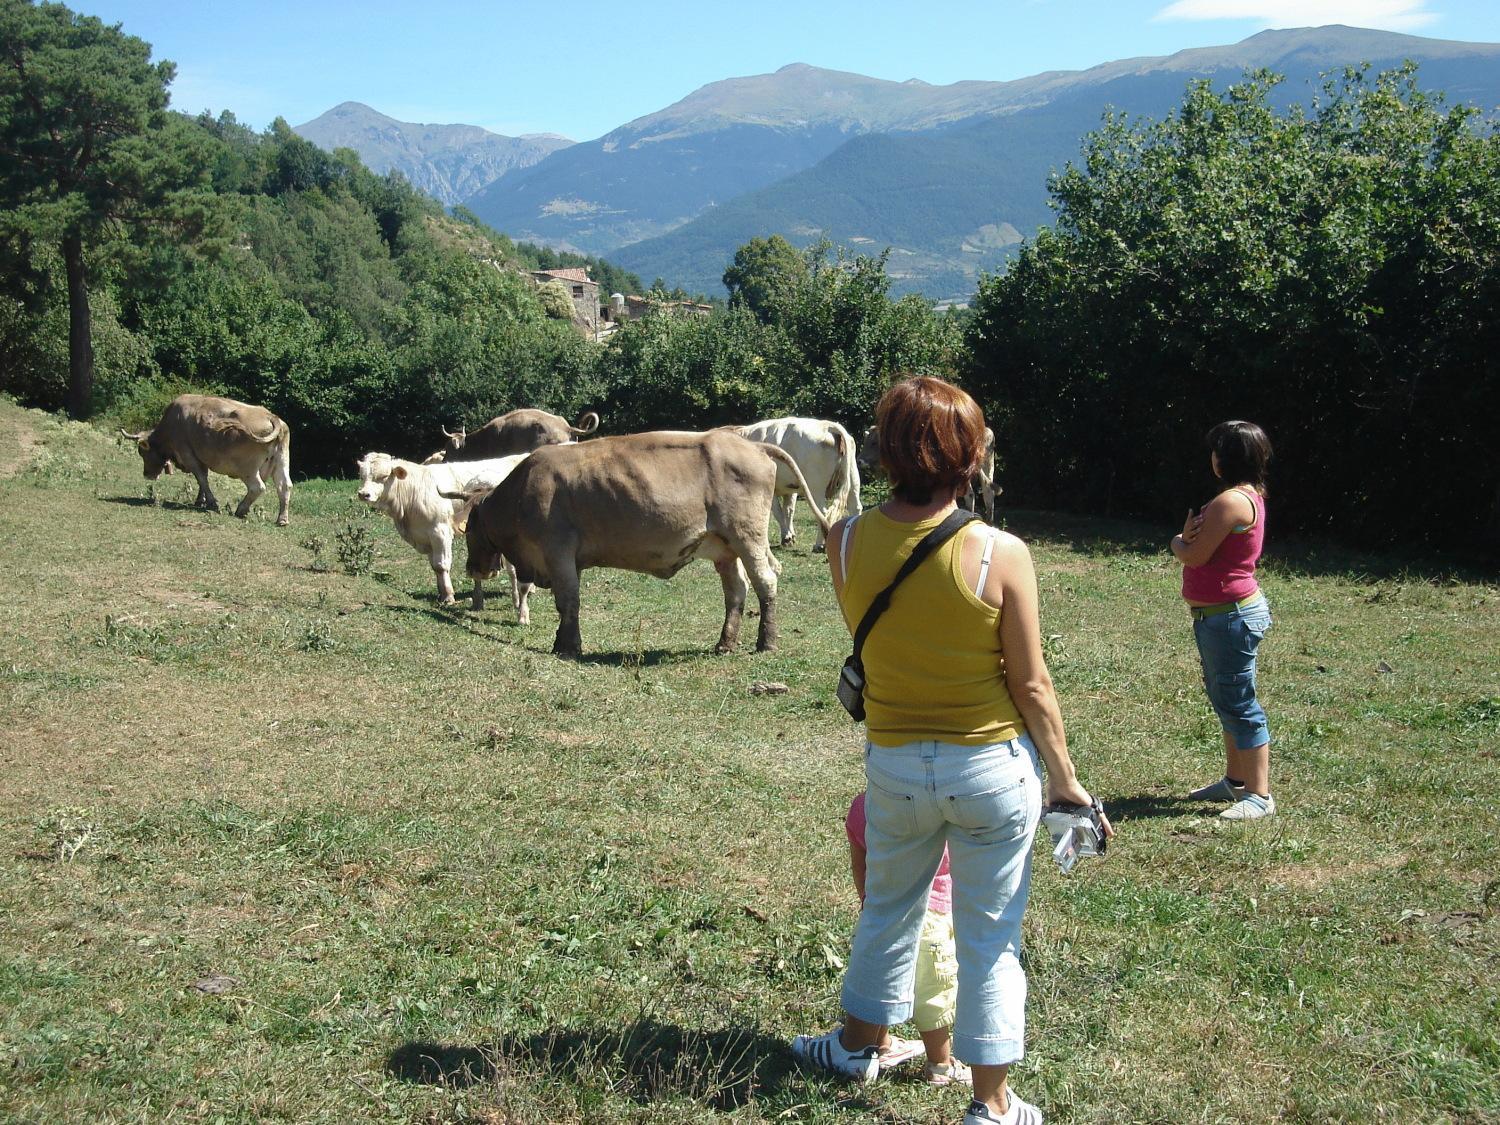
<point>1227,644</point>
<point>983,802</point>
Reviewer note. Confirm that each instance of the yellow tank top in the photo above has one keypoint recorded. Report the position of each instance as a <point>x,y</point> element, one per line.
<point>933,665</point>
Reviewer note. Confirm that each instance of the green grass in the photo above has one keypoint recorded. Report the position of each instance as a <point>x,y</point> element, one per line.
<point>456,879</point>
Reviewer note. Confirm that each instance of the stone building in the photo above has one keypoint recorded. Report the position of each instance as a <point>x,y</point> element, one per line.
<point>583,289</point>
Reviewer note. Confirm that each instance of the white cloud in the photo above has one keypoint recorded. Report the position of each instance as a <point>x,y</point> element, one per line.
<point>1390,15</point>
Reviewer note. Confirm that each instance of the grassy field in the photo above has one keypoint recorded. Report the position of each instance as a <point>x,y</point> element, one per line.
<point>282,842</point>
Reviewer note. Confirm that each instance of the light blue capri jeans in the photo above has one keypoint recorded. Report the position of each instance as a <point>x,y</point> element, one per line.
<point>983,802</point>
<point>1227,644</point>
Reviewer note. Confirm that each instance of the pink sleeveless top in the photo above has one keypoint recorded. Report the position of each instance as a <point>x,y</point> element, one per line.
<point>1229,576</point>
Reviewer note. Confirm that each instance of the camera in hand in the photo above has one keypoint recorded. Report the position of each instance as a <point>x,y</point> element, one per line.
<point>1076,831</point>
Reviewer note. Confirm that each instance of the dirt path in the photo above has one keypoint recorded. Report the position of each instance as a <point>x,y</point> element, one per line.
<point>18,441</point>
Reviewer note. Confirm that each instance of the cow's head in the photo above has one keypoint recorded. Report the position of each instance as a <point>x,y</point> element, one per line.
<point>154,460</point>
<point>868,458</point>
<point>375,487</point>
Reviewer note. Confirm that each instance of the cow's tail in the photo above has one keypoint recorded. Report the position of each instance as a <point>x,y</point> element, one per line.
<point>843,483</point>
<point>468,498</point>
<point>776,453</point>
<point>585,425</point>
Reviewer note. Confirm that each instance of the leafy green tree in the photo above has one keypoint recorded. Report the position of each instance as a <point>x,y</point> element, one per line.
<point>1325,272</point>
<point>764,276</point>
<point>82,120</point>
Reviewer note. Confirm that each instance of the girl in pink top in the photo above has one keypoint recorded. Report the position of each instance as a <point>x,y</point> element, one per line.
<point>1218,548</point>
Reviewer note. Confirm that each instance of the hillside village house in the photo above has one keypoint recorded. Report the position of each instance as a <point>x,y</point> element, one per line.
<point>583,289</point>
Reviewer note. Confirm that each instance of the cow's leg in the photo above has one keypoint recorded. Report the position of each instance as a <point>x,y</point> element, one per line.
<point>520,595</point>
<point>206,498</point>
<point>563,570</point>
<point>478,602</point>
<point>281,477</point>
<point>732,577</point>
<point>786,513</point>
<point>254,486</point>
<point>440,553</point>
<point>761,569</point>
<point>988,485</point>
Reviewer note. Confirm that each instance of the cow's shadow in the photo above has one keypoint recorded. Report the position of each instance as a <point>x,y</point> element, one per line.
<point>647,1060</point>
<point>645,658</point>
<point>147,502</point>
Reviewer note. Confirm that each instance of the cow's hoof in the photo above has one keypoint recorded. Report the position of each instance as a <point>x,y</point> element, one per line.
<point>447,601</point>
<point>765,646</point>
<point>282,522</point>
<point>722,649</point>
<point>818,548</point>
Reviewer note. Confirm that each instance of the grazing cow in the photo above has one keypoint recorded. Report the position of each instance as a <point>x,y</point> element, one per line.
<point>649,502</point>
<point>869,463</point>
<point>520,431</point>
<point>825,454</point>
<point>202,432</point>
<point>412,495</point>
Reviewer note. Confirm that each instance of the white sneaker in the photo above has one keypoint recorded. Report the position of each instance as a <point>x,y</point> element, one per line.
<point>1251,806</point>
<point>1016,1113</point>
<point>827,1052</point>
<point>1221,790</point>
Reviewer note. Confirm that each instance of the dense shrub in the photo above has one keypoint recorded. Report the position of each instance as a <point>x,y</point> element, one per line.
<point>1332,275</point>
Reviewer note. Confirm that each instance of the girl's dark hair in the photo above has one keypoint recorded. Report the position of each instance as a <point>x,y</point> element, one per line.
<point>931,437</point>
<point>1243,450</point>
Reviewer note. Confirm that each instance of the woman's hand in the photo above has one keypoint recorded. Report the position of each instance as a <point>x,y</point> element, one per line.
<point>1072,793</point>
<point>1191,525</point>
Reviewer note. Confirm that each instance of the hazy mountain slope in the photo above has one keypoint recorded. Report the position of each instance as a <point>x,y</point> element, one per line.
<point>954,203</point>
<point>448,162</point>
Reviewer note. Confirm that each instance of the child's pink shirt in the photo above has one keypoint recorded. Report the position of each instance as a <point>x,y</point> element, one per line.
<point>940,898</point>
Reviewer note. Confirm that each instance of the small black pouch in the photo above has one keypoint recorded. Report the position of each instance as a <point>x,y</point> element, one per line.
<point>851,689</point>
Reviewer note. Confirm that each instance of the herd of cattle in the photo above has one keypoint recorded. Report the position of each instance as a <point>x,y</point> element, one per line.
<point>532,500</point>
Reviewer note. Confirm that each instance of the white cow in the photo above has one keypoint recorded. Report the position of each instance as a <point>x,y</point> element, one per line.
<point>412,495</point>
<point>825,453</point>
<point>869,461</point>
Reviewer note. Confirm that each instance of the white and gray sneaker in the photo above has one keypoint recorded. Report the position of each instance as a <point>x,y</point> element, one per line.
<point>1221,790</point>
<point>827,1052</point>
<point>1250,806</point>
<point>1016,1113</point>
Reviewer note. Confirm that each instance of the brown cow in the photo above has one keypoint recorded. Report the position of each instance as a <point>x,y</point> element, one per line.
<point>520,431</point>
<point>202,432</point>
<point>649,502</point>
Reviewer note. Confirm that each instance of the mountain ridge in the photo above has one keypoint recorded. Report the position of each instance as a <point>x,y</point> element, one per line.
<point>448,162</point>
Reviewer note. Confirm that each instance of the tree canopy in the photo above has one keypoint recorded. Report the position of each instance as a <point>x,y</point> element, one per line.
<point>1331,274</point>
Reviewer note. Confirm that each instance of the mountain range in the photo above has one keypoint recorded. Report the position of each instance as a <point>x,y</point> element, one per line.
<point>950,178</point>
<point>448,162</point>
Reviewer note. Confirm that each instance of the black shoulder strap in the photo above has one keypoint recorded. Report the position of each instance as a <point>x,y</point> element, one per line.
<point>957,519</point>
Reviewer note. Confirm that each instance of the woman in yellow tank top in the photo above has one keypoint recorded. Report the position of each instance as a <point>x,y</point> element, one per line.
<point>959,708</point>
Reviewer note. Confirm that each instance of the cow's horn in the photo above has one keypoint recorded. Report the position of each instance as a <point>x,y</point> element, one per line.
<point>128,436</point>
<point>446,434</point>
<point>587,424</point>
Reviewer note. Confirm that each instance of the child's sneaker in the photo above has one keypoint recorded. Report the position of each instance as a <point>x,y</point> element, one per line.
<point>1017,1113</point>
<point>1221,790</point>
<point>948,1073</point>
<point>826,1052</point>
<point>1250,806</point>
<point>898,1051</point>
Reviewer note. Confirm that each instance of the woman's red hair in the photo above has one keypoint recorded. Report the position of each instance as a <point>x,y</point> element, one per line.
<point>931,438</point>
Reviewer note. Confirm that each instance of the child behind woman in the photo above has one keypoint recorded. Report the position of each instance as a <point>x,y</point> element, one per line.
<point>937,965</point>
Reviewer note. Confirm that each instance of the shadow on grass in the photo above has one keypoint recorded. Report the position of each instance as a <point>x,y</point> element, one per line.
<point>645,1061</point>
<point>1149,806</point>
<point>647,658</point>
<point>146,502</point>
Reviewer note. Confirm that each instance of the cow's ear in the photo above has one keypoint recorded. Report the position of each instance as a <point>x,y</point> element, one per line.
<point>399,472</point>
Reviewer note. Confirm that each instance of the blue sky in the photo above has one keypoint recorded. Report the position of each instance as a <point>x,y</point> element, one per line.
<point>582,68</point>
